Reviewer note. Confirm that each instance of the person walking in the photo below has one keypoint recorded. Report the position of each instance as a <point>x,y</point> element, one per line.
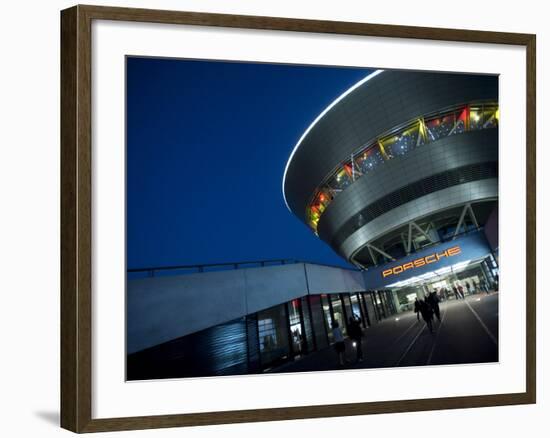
<point>468,287</point>
<point>356,335</point>
<point>460,290</point>
<point>417,308</point>
<point>455,290</point>
<point>433,301</point>
<point>339,344</point>
<point>427,314</point>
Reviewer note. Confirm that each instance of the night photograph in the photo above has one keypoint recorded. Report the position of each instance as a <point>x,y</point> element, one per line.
<point>298,218</point>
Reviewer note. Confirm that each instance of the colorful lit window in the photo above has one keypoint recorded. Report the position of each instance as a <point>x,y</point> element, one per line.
<point>476,118</point>
<point>417,133</point>
<point>461,121</point>
<point>440,126</point>
<point>483,116</point>
<point>402,142</point>
<point>369,159</point>
<point>490,116</point>
<point>317,208</point>
<point>343,178</point>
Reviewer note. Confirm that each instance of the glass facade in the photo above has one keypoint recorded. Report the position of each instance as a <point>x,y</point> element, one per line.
<point>258,342</point>
<point>357,308</point>
<point>328,316</point>
<point>397,142</point>
<point>319,323</point>
<point>304,325</point>
<point>309,341</point>
<point>273,335</point>
<point>369,317</point>
<point>297,331</point>
<point>339,312</point>
<point>347,306</point>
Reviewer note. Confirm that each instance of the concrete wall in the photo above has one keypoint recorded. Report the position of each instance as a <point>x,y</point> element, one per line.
<point>163,308</point>
<point>269,286</point>
<point>160,309</point>
<point>327,279</point>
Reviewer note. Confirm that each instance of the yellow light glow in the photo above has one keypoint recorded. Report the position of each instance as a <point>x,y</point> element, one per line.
<point>340,179</point>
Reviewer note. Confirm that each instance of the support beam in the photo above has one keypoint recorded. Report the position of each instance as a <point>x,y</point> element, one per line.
<point>424,233</point>
<point>378,250</point>
<point>404,241</point>
<point>461,220</point>
<point>409,240</point>
<point>429,227</point>
<point>473,216</point>
<point>372,256</point>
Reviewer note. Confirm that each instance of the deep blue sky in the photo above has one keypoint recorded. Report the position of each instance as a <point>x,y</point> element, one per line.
<point>207,146</point>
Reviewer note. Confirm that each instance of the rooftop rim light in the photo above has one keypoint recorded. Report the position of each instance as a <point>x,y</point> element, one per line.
<point>319,117</point>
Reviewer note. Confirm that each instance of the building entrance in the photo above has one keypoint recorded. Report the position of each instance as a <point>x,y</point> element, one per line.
<point>452,283</point>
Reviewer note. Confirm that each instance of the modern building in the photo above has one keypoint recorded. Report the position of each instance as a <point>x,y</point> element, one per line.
<point>399,175</point>
<point>240,318</point>
<point>403,162</point>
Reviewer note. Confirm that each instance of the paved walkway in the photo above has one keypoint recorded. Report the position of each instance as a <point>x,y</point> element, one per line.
<point>467,333</point>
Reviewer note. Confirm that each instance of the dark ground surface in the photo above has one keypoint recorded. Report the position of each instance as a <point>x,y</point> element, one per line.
<point>468,333</point>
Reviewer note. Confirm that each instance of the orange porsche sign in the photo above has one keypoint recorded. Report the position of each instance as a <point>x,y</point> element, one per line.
<point>422,261</point>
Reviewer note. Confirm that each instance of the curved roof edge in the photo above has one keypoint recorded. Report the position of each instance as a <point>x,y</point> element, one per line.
<point>319,117</point>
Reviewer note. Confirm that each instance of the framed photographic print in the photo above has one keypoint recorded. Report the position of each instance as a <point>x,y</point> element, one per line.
<point>270,218</point>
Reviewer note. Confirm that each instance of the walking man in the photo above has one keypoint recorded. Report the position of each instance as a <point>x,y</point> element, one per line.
<point>433,301</point>
<point>427,314</point>
<point>417,308</point>
<point>461,290</point>
<point>455,290</point>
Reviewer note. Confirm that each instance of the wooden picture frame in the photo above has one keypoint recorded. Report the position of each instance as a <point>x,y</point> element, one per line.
<point>76,218</point>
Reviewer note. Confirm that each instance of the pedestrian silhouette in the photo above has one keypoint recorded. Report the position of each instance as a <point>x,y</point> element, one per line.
<point>455,290</point>
<point>433,301</point>
<point>461,290</point>
<point>427,314</point>
<point>417,308</point>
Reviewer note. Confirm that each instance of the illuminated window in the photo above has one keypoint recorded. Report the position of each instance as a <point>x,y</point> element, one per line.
<point>402,142</point>
<point>440,126</point>
<point>318,206</point>
<point>476,118</point>
<point>483,116</point>
<point>489,116</point>
<point>369,159</point>
<point>399,142</point>
<point>342,179</point>
<point>461,121</point>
